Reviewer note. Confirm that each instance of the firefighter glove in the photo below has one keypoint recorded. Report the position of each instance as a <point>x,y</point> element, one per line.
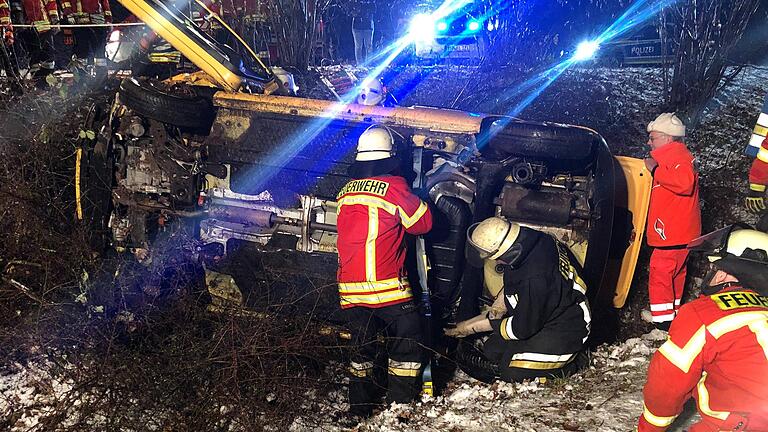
<point>478,324</point>
<point>755,201</point>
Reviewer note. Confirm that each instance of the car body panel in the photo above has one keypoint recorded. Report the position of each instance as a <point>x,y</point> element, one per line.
<point>248,127</point>
<point>638,193</point>
<point>208,58</point>
<point>434,119</point>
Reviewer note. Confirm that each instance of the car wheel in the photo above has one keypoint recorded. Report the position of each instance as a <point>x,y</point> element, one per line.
<point>538,141</point>
<point>179,106</point>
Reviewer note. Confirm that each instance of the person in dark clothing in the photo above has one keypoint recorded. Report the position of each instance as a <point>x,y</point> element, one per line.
<point>362,32</point>
<point>540,320</point>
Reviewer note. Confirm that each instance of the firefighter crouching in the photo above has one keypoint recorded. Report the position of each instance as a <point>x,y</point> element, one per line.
<point>717,349</point>
<point>758,179</point>
<point>374,212</point>
<point>6,37</point>
<point>540,319</point>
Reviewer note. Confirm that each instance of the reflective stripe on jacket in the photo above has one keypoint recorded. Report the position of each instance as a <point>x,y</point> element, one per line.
<point>674,214</point>
<point>87,11</point>
<point>547,316</point>
<point>40,13</point>
<point>5,13</point>
<point>373,216</point>
<point>718,351</point>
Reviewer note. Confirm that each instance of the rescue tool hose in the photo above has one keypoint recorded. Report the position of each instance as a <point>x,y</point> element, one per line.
<point>422,267</point>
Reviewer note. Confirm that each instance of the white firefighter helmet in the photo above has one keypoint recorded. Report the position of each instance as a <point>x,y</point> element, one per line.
<point>742,253</point>
<point>376,143</point>
<point>288,83</point>
<point>745,244</point>
<point>372,92</point>
<point>491,239</point>
<point>748,244</point>
<point>376,153</point>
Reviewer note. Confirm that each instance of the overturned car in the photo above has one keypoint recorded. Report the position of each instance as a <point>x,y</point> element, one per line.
<point>219,151</point>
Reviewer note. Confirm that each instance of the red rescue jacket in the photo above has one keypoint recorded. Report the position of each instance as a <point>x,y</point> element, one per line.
<point>87,11</point>
<point>758,173</point>
<point>40,13</point>
<point>5,13</point>
<point>373,216</point>
<point>717,351</point>
<point>674,215</point>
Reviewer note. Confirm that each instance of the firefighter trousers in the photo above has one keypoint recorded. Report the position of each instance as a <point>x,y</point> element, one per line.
<point>39,45</point>
<point>90,43</point>
<point>530,365</point>
<point>666,281</point>
<point>401,327</point>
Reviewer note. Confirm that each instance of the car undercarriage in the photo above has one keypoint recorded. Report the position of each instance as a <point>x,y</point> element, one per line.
<point>219,153</point>
<point>265,170</point>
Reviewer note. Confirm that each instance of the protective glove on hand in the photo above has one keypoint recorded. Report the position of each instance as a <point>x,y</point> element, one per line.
<point>755,201</point>
<point>478,324</point>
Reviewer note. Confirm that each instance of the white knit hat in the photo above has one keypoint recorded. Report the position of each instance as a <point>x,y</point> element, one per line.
<point>668,123</point>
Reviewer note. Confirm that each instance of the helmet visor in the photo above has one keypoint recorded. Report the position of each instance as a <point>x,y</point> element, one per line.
<point>715,244</point>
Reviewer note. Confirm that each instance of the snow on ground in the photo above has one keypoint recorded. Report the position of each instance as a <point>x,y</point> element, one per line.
<point>28,393</point>
<point>606,397</point>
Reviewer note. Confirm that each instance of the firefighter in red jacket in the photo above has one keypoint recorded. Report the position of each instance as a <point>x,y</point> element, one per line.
<point>674,216</point>
<point>89,41</point>
<point>717,349</point>
<point>375,210</point>
<point>5,23</point>
<point>758,179</point>
<point>39,40</point>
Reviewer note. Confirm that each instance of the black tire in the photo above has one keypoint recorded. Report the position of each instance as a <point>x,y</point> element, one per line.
<point>175,106</point>
<point>545,141</point>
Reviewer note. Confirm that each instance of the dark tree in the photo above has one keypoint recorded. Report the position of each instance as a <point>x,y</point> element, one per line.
<point>706,32</point>
<point>532,33</point>
<point>295,25</point>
